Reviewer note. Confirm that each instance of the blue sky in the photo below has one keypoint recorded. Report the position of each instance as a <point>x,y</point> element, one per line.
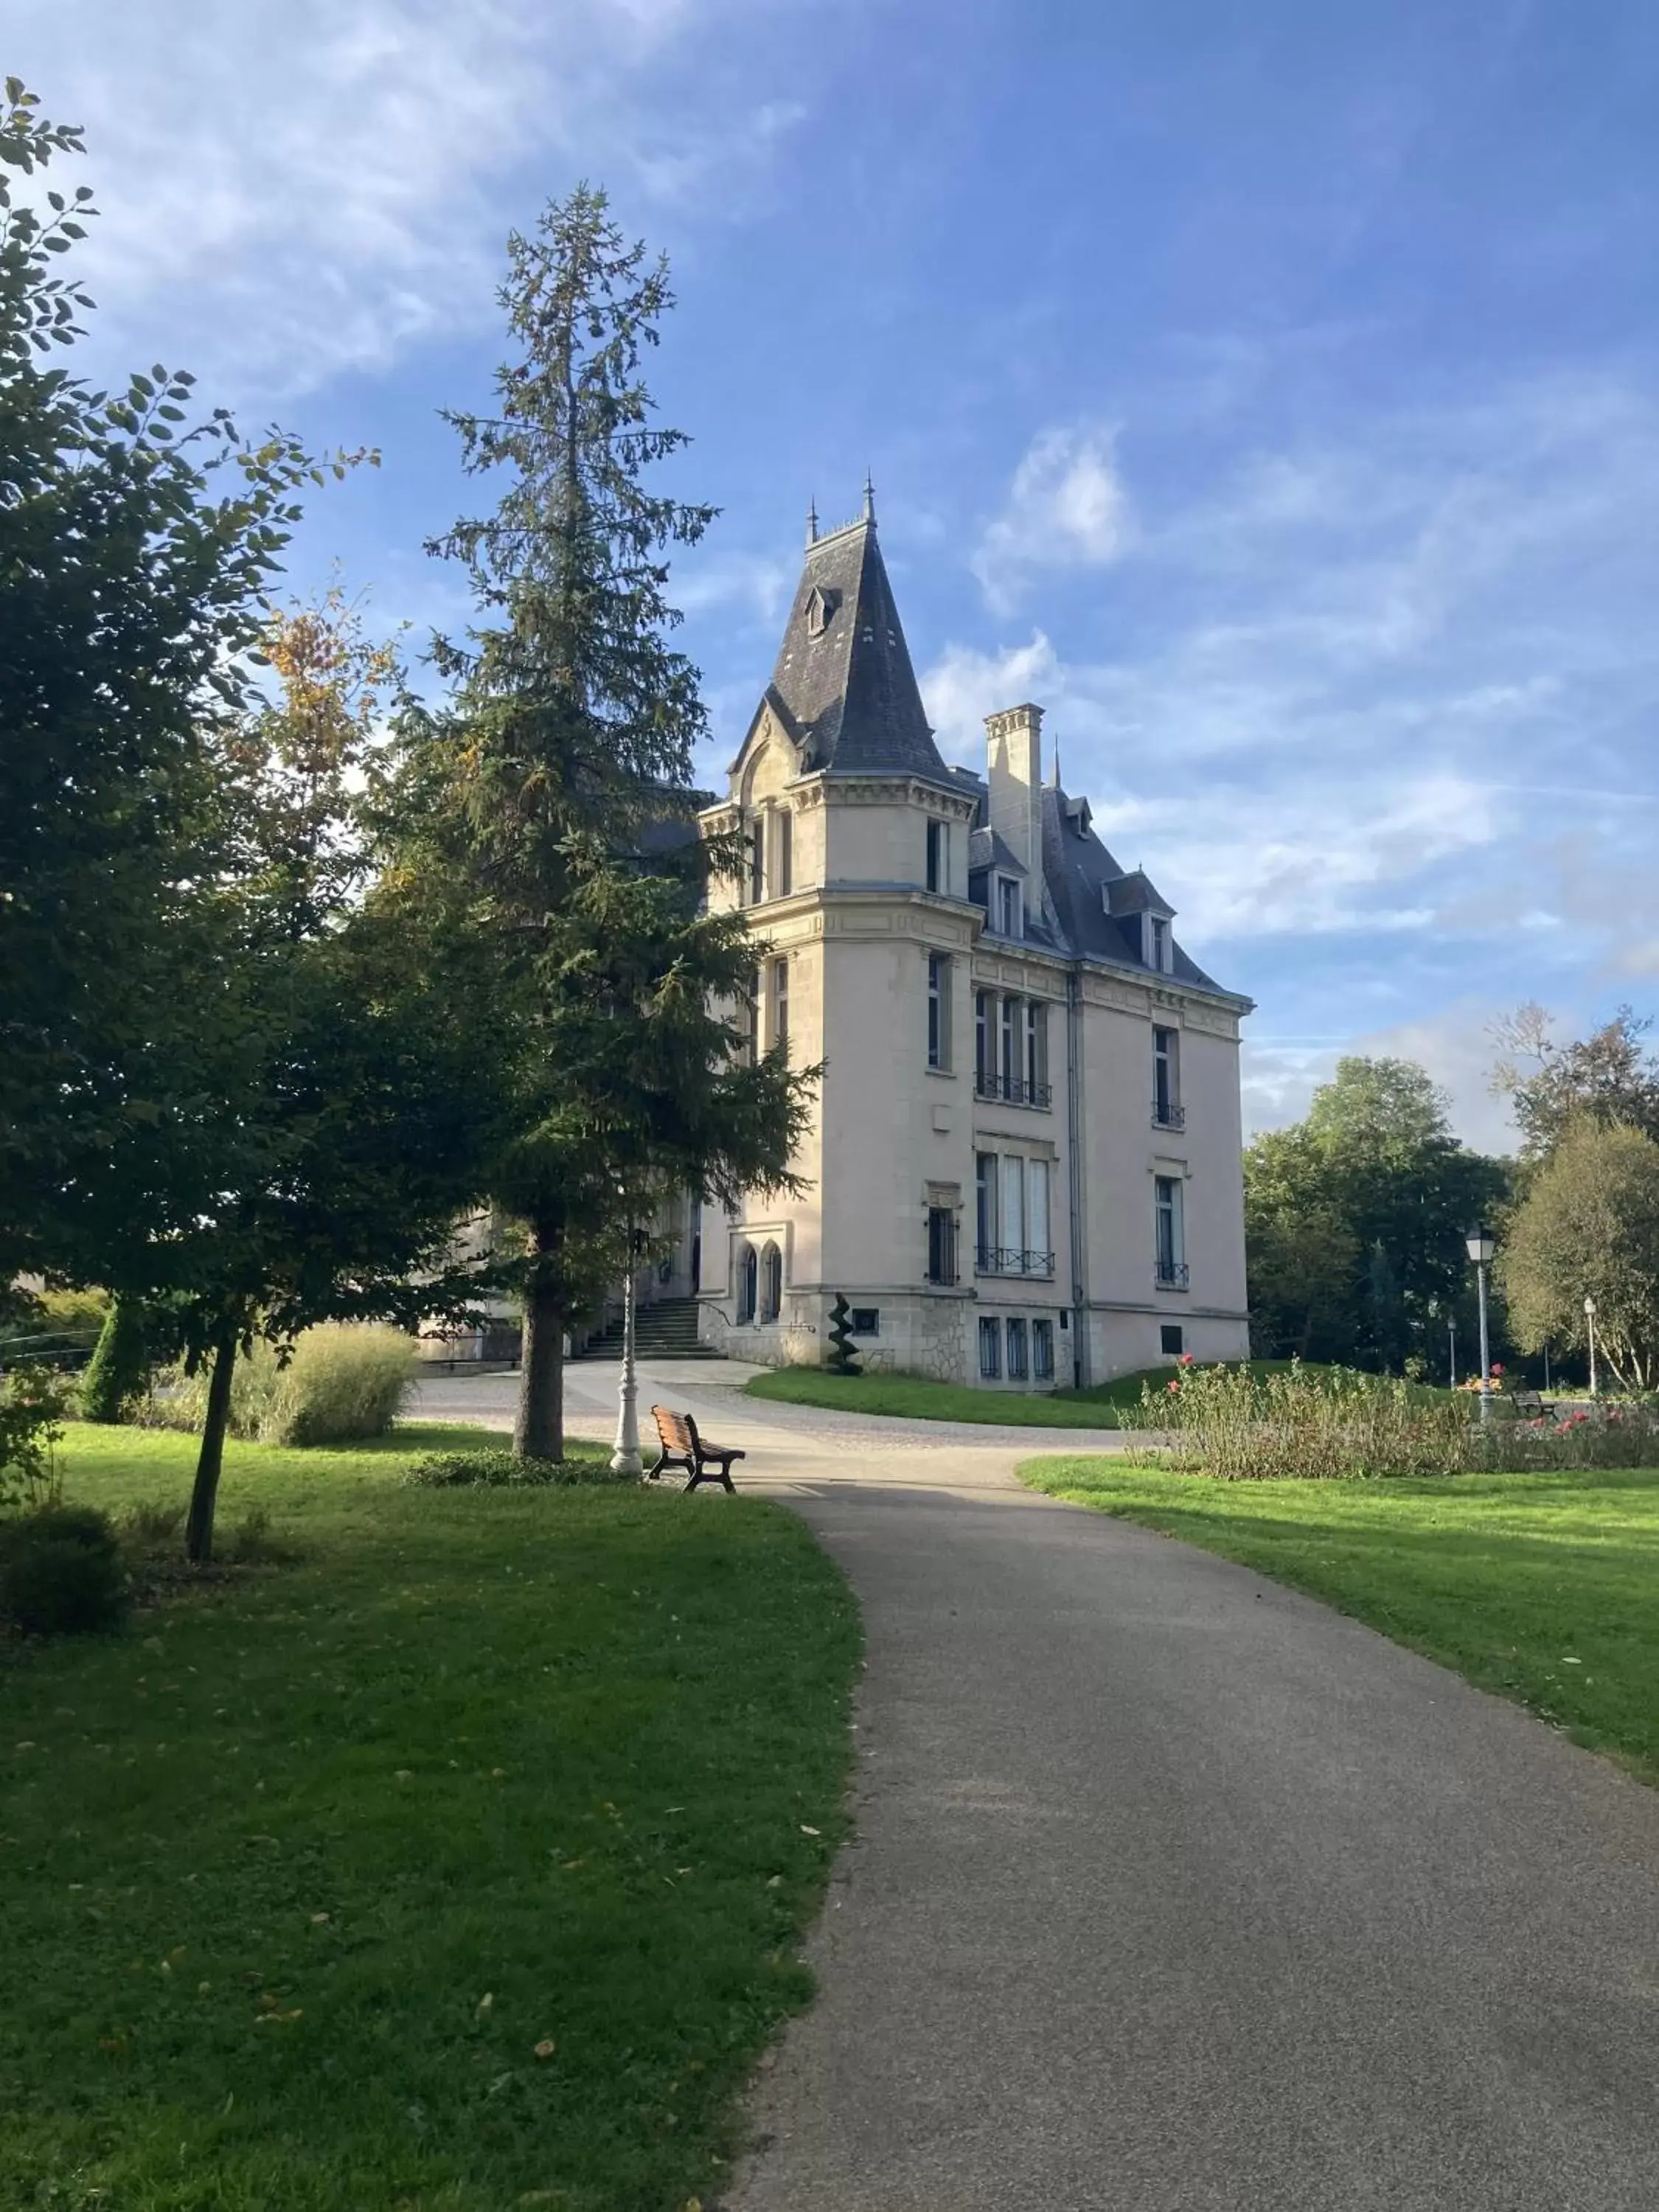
<point>1272,393</point>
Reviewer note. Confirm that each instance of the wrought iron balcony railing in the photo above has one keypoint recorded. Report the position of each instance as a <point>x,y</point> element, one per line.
<point>1013,1089</point>
<point>1166,1114</point>
<point>1003,1260</point>
<point>1170,1274</point>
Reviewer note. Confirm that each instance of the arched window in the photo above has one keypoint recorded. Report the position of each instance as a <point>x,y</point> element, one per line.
<point>748,1282</point>
<point>771,1283</point>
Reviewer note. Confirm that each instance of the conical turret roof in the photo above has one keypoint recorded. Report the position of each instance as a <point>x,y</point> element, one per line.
<point>843,678</point>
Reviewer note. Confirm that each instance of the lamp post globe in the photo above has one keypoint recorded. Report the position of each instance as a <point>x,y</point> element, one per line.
<point>1481,1244</point>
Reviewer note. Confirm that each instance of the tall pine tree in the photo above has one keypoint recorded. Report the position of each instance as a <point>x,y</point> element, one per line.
<point>541,786</point>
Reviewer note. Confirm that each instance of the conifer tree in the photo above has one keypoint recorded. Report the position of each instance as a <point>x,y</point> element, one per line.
<point>566,745</point>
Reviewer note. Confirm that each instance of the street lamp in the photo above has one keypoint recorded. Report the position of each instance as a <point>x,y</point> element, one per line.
<point>1481,1245</point>
<point>625,1459</point>
<point>1590,1323</point>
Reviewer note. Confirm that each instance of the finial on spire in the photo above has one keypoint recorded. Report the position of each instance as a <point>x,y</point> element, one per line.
<point>869,498</point>
<point>811,521</point>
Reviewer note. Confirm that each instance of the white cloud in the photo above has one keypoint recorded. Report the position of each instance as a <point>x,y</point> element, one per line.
<point>1454,1043</point>
<point>1067,508</point>
<point>293,188</point>
<point>1403,685</point>
<point>963,686</point>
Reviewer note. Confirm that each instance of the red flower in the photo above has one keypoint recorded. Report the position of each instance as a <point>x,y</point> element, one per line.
<point>1185,1359</point>
<point>1172,1385</point>
<point>1497,1367</point>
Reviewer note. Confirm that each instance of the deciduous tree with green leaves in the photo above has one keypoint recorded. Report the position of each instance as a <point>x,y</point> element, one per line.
<point>543,784</point>
<point>1609,1078</point>
<point>1355,1219</point>
<point>137,549</point>
<point>1588,1226</point>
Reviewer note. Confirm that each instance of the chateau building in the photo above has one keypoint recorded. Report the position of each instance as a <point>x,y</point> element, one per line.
<point>1023,1166</point>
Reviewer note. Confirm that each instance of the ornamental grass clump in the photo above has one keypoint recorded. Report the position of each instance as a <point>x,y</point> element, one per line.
<point>341,1381</point>
<point>1338,1425</point>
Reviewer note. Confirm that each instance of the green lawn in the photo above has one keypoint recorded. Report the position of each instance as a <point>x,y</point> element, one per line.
<point>916,1398</point>
<point>459,1863</point>
<point>1544,1589</point>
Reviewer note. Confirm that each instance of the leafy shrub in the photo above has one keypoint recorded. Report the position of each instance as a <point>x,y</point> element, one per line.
<point>33,1402</point>
<point>492,1469</point>
<point>118,1374</point>
<point>1338,1424</point>
<point>61,1570</point>
<point>342,1380</point>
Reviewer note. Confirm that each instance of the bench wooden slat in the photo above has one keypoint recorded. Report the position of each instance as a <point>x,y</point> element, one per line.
<point>679,1445</point>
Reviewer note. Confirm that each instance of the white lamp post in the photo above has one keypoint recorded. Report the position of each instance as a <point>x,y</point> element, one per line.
<point>1590,1323</point>
<point>1481,1245</point>
<point>625,1459</point>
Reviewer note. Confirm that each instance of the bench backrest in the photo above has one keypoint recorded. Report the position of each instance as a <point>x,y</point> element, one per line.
<point>674,1429</point>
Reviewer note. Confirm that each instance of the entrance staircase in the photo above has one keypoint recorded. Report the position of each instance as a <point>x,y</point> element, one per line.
<point>665,1330</point>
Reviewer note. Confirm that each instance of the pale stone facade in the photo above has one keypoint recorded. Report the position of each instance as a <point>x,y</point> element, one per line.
<point>1023,1166</point>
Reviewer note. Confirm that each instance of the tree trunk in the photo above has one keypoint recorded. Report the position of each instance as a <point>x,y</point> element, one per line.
<point>538,1432</point>
<point>198,1530</point>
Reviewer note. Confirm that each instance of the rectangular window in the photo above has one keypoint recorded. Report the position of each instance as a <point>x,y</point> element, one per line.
<point>985,1041</point>
<point>865,1321</point>
<point>1042,1351</point>
<point>985,1221</point>
<point>1040,1260</point>
<point>783,870</point>
<point>939,1010</point>
<point>780,1007</point>
<point>1172,1337</point>
<point>1017,1359</point>
<point>757,861</point>
<point>751,1014</point>
<point>1010,1085</point>
<point>1008,916</point>
<point>1169,1230</point>
<point>1013,1209</point>
<point>990,1348</point>
<point>938,856</point>
<point>1157,943</point>
<point>941,1244</point>
<point>1036,1053</point>
<point>1166,1079</point>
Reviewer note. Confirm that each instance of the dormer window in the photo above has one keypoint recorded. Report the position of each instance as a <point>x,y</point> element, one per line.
<point>820,607</point>
<point>1158,944</point>
<point>1008,908</point>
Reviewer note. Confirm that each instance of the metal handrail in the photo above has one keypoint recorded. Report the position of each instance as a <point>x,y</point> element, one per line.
<point>1013,1089</point>
<point>1166,1114</point>
<point>1170,1274</point>
<point>1004,1260</point>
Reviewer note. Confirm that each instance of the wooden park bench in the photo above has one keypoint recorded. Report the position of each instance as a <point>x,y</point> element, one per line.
<point>681,1446</point>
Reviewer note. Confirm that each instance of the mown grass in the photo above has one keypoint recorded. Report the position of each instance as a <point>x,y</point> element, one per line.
<point>460,1862</point>
<point>1544,1589</point>
<point>912,1397</point>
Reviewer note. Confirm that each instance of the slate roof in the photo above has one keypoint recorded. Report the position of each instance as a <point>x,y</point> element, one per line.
<point>1097,904</point>
<point>843,686</point>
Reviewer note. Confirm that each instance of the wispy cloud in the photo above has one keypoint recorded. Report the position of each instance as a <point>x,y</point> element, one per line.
<point>1354,666</point>
<point>293,188</point>
<point>1066,508</point>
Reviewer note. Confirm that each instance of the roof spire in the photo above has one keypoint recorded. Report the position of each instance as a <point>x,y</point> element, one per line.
<point>869,498</point>
<point>1054,773</point>
<point>811,521</point>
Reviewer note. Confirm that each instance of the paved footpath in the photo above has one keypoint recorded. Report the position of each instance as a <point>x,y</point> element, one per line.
<point>1175,1892</point>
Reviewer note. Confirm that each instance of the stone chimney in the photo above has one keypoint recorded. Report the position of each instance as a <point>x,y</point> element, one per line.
<point>1013,745</point>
